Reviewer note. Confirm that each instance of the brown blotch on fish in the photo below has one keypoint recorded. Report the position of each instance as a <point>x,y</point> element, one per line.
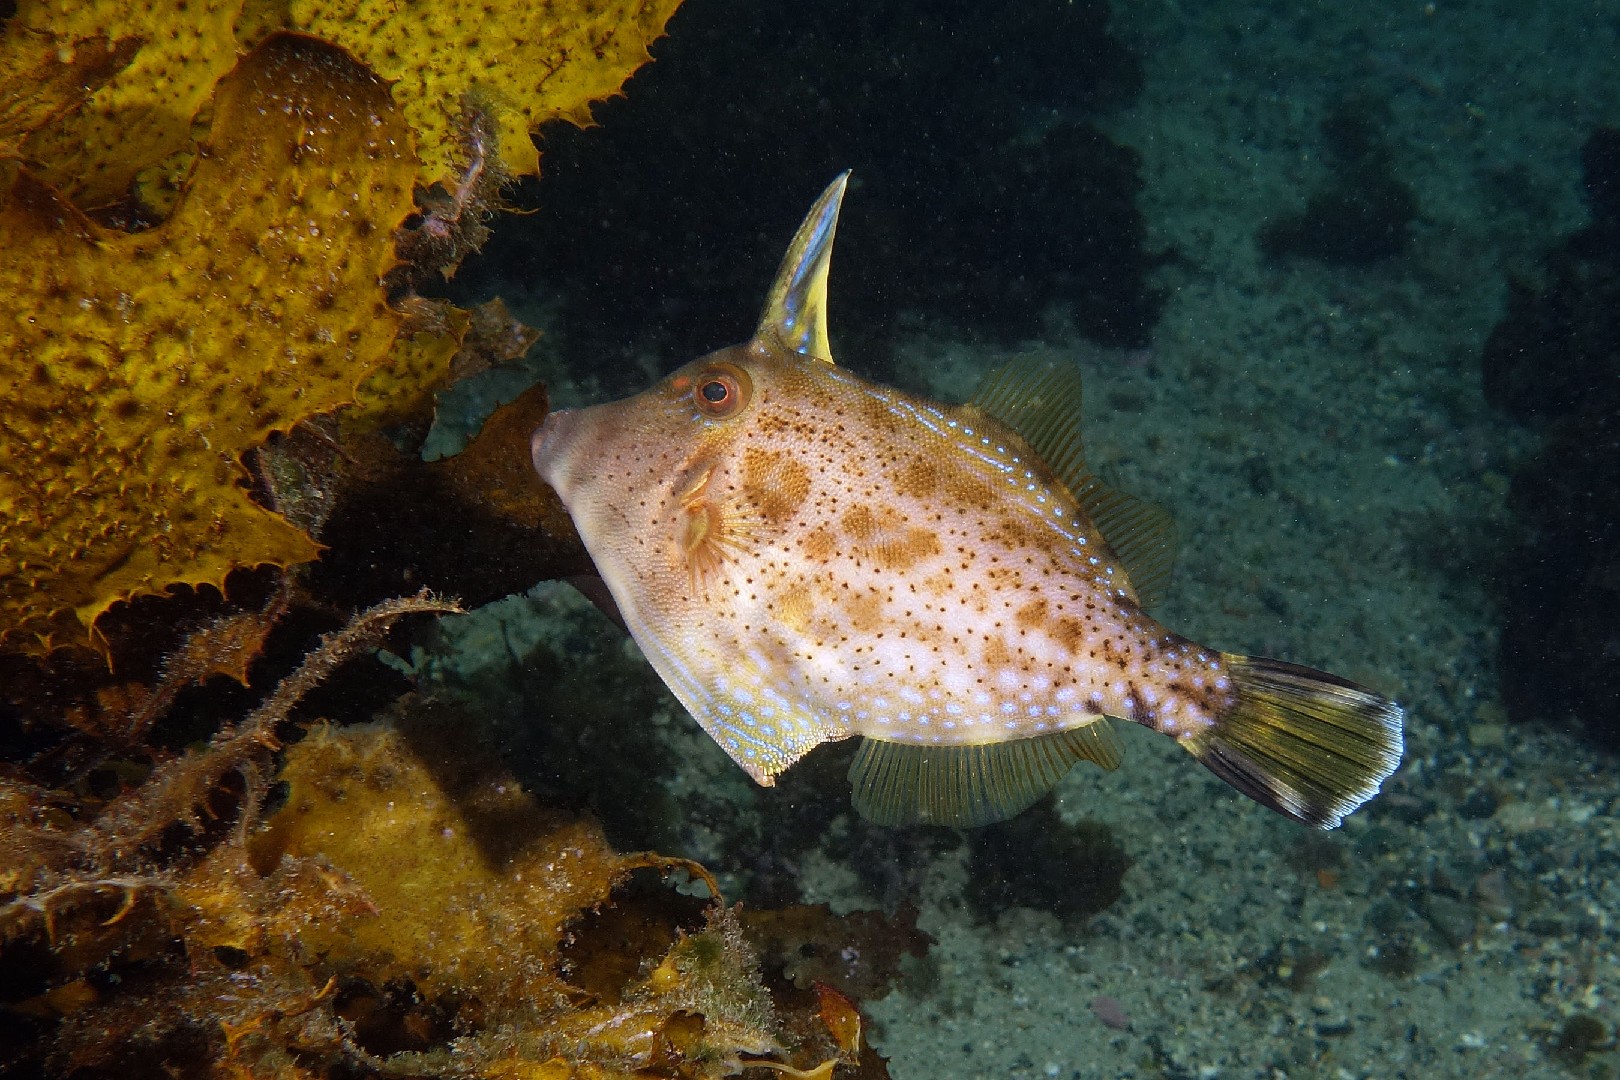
<point>906,550</point>
<point>1019,533</point>
<point>864,611</point>
<point>874,411</point>
<point>885,537</point>
<point>774,483</point>
<point>996,654</point>
<point>1070,633</point>
<point>918,478</point>
<point>1031,615</point>
<point>859,523</point>
<point>964,490</point>
<point>939,586</point>
<point>793,607</point>
<point>819,544</point>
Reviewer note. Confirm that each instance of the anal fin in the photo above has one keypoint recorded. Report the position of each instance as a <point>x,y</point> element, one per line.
<point>967,786</point>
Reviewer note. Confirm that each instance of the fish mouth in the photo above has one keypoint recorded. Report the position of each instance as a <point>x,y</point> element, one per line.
<point>550,443</point>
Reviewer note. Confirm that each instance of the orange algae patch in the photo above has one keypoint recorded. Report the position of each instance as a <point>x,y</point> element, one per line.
<point>409,901</point>
<point>471,890</point>
<point>136,369</point>
<point>409,905</point>
<point>472,882</point>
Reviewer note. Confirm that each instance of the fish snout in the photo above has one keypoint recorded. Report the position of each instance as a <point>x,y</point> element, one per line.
<point>549,446</point>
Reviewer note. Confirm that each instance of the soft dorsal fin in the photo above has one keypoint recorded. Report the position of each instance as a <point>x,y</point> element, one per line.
<point>796,309</point>
<point>1040,400</point>
<point>968,786</point>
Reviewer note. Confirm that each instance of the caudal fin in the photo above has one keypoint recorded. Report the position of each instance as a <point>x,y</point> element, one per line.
<point>1305,743</point>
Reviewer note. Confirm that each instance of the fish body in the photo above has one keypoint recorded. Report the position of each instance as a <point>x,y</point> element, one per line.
<point>807,556</point>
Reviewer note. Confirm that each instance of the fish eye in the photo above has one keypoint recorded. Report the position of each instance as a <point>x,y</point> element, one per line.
<point>721,391</point>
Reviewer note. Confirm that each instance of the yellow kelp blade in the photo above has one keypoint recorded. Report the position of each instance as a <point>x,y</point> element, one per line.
<point>150,362</point>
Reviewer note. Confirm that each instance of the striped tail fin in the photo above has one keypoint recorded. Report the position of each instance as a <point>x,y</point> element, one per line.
<point>1305,743</point>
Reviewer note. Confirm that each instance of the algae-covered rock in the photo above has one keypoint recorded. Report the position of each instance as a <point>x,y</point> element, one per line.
<point>409,906</point>
<point>473,891</point>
